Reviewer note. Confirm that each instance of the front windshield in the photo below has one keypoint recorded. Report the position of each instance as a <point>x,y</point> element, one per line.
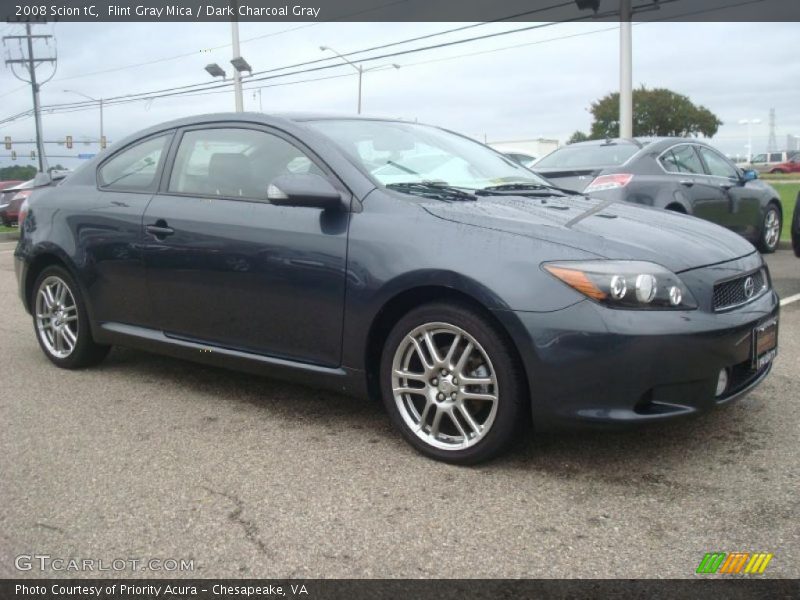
<point>605,155</point>
<point>394,152</point>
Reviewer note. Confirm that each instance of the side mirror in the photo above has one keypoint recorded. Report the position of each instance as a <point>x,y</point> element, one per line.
<point>749,175</point>
<point>304,189</point>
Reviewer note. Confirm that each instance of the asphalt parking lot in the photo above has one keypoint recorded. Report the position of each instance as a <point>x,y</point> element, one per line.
<point>150,457</point>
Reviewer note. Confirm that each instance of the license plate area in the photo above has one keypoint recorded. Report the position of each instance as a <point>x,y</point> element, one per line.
<point>765,344</point>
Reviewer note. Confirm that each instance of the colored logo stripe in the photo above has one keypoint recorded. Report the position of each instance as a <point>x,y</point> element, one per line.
<point>711,562</point>
<point>758,563</point>
<point>720,562</point>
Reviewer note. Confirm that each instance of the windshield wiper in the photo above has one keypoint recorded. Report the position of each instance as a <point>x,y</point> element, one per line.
<point>432,189</point>
<point>526,189</point>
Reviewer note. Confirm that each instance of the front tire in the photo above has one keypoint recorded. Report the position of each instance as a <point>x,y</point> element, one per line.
<point>61,322</point>
<point>770,230</point>
<point>452,384</point>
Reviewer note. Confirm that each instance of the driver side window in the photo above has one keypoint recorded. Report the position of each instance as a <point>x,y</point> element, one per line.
<point>717,165</point>
<point>234,163</point>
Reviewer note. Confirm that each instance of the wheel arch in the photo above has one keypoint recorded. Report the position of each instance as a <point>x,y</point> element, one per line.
<point>676,207</point>
<point>38,263</point>
<point>408,299</point>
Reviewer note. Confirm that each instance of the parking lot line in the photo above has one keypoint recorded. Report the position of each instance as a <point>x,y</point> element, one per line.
<point>790,299</point>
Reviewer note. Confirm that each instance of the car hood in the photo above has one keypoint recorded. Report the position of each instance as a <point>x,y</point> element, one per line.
<point>609,230</point>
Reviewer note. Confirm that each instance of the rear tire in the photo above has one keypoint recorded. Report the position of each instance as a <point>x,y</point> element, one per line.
<point>464,402</point>
<point>61,323</point>
<point>770,229</point>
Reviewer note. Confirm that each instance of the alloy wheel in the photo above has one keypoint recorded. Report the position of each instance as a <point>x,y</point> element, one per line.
<point>56,317</point>
<point>444,386</point>
<point>772,228</point>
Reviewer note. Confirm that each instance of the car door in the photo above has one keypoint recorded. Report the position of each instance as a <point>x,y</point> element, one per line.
<point>706,199</point>
<point>743,200</point>
<point>107,228</point>
<point>226,267</point>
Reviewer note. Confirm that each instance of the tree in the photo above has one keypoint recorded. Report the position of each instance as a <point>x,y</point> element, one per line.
<point>17,172</point>
<point>578,136</point>
<point>657,112</point>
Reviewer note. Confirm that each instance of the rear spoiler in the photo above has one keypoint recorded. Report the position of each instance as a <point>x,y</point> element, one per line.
<point>43,179</point>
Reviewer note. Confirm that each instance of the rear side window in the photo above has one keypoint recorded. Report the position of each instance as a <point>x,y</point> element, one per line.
<point>606,155</point>
<point>135,167</point>
<point>717,165</point>
<point>682,159</point>
<point>237,163</point>
<point>776,157</point>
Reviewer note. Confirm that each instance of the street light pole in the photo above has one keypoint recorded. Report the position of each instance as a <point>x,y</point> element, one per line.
<point>360,77</point>
<point>98,100</point>
<point>625,70</point>
<point>358,68</point>
<point>237,76</point>
<point>749,123</point>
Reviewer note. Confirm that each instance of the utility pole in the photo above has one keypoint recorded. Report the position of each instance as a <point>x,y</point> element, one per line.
<point>237,76</point>
<point>31,62</point>
<point>625,70</point>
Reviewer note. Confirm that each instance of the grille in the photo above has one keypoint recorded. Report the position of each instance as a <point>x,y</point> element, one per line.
<point>732,292</point>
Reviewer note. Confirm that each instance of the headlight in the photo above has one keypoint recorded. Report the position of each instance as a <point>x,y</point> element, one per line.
<point>628,284</point>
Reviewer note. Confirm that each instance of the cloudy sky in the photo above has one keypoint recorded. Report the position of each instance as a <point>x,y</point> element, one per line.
<point>531,84</point>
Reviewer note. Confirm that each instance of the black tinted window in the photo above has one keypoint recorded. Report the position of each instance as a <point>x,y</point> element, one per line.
<point>588,156</point>
<point>238,163</point>
<point>135,167</point>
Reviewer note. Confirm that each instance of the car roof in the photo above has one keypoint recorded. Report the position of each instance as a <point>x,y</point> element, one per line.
<point>275,119</point>
<point>640,142</point>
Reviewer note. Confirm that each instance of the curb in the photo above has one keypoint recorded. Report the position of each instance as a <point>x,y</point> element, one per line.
<point>9,236</point>
<point>784,245</point>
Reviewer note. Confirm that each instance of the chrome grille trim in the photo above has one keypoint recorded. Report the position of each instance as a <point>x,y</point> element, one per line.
<point>730,293</point>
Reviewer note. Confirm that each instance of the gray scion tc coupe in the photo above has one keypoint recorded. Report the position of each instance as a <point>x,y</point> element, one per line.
<point>679,174</point>
<point>398,260</point>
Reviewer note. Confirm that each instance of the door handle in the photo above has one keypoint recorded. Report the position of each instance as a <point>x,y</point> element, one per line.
<point>159,229</point>
<point>687,182</point>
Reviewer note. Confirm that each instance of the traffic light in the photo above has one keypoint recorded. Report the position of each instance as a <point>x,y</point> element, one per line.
<point>8,142</point>
<point>103,142</point>
<point>33,155</point>
<point>13,155</point>
<point>69,141</point>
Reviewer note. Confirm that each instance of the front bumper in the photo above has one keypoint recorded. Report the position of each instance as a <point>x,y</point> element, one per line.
<point>590,365</point>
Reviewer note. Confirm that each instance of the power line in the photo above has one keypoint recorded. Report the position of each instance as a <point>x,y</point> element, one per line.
<point>205,85</point>
<point>221,46</point>
<point>208,89</point>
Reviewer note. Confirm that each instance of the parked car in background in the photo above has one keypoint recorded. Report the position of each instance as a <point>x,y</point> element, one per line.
<point>790,166</point>
<point>398,260</point>
<point>526,160</point>
<point>679,174</point>
<point>4,185</point>
<point>11,198</point>
<point>771,162</point>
